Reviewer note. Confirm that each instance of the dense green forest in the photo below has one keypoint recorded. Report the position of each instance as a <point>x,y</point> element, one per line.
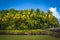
<point>27,19</point>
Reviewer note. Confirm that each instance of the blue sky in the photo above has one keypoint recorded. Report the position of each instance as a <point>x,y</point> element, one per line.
<point>28,4</point>
<point>52,5</point>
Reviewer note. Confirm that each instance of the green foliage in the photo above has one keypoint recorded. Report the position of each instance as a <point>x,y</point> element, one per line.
<point>27,19</point>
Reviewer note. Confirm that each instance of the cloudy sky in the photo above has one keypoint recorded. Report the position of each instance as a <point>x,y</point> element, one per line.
<point>52,5</point>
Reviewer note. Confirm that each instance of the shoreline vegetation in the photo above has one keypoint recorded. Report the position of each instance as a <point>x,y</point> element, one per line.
<point>30,32</point>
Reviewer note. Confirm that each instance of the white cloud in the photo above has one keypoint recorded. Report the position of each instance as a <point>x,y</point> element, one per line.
<point>55,12</point>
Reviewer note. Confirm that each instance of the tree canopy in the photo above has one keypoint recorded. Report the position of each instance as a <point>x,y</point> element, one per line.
<point>27,19</point>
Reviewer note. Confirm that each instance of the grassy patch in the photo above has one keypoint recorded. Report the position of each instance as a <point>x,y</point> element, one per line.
<point>27,37</point>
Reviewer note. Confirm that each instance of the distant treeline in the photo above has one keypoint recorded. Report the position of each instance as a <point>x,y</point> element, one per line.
<point>27,19</point>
